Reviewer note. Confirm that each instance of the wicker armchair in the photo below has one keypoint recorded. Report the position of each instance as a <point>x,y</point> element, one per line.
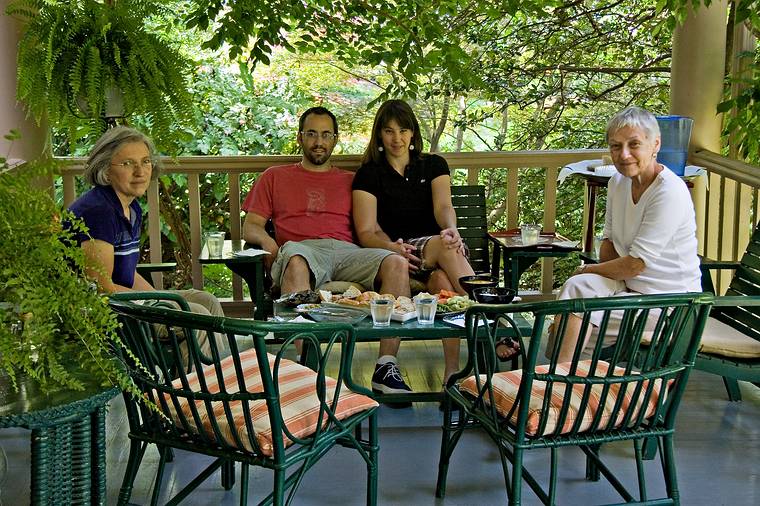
<point>247,405</point>
<point>622,392</point>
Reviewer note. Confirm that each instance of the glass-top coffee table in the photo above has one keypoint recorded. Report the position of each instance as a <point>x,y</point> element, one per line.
<point>410,331</point>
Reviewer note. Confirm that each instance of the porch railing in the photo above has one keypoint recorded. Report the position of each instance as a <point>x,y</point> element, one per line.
<point>727,205</point>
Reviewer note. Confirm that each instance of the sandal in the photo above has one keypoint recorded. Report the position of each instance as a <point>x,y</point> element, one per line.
<point>509,348</point>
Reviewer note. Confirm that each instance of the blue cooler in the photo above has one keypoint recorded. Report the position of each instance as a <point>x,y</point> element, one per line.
<point>675,132</point>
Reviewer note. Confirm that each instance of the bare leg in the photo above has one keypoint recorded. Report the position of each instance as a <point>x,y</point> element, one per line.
<point>296,278</point>
<point>451,261</point>
<point>393,277</point>
<point>440,281</point>
<point>569,340</point>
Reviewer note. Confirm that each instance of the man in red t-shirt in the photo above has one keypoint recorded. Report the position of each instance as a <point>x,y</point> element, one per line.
<point>310,206</point>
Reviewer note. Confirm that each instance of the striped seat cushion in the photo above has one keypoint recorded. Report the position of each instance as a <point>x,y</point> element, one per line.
<point>506,384</point>
<point>298,402</point>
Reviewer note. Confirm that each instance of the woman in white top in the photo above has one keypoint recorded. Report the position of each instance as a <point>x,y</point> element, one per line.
<point>650,243</point>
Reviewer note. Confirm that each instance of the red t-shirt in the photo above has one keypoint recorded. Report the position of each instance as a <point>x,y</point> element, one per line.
<point>304,204</point>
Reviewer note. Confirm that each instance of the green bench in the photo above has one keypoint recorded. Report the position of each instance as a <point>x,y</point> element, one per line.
<point>730,345</point>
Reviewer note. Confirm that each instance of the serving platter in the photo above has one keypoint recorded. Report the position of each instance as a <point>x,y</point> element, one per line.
<point>396,316</point>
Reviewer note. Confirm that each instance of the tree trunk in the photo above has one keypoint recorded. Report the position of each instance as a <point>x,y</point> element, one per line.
<point>184,272</point>
<point>462,109</point>
<point>441,126</point>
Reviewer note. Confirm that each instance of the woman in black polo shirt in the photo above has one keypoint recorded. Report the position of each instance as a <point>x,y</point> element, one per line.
<point>402,202</point>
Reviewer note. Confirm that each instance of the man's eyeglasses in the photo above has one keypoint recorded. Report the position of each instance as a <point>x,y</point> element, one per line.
<point>312,135</point>
<point>145,163</point>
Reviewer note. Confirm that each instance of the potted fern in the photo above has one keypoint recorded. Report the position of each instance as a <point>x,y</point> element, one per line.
<point>98,60</point>
<point>53,326</point>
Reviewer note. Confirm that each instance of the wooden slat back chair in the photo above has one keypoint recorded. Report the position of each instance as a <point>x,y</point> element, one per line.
<point>470,206</point>
<point>247,405</point>
<point>731,342</point>
<point>585,402</point>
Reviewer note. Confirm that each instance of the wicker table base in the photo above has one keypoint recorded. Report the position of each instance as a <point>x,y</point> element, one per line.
<point>68,439</point>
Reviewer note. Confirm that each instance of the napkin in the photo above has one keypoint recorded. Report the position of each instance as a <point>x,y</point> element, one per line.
<point>458,320</point>
<point>251,252</point>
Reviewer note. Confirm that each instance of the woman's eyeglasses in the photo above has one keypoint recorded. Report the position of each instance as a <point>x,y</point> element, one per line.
<point>145,163</point>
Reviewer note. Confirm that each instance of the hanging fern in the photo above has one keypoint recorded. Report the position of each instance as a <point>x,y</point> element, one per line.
<point>75,52</point>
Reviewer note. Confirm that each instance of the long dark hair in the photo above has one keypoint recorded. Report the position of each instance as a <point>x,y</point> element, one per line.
<point>399,111</point>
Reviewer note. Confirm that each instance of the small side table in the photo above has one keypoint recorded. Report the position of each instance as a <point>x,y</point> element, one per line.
<point>519,257</point>
<point>68,438</point>
<point>251,269</point>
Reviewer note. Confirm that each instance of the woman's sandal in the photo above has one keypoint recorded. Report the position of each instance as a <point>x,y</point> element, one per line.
<point>509,348</point>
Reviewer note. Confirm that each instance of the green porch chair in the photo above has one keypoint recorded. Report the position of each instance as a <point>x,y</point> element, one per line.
<point>631,394</point>
<point>247,405</point>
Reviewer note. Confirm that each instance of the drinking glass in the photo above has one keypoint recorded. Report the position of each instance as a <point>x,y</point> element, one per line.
<point>381,310</point>
<point>598,245</point>
<point>529,234</point>
<point>215,244</point>
<point>426,307</point>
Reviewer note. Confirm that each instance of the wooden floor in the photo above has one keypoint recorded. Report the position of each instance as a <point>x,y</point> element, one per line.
<point>717,446</point>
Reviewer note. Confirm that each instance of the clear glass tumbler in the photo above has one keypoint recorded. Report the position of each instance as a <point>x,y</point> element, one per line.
<point>215,244</point>
<point>426,307</point>
<point>381,310</point>
<point>529,234</point>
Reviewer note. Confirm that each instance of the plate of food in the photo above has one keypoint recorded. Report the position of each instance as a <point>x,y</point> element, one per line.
<point>403,307</point>
<point>451,303</point>
<point>336,314</point>
<point>305,308</point>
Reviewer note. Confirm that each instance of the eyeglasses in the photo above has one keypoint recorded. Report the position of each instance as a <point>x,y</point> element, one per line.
<point>312,135</point>
<point>145,163</point>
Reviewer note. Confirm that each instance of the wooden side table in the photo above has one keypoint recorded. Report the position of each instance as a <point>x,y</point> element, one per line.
<point>68,441</point>
<point>519,257</point>
<point>251,269</point>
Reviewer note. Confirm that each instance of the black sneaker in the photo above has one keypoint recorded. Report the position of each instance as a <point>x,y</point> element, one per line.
<point>387,380</point>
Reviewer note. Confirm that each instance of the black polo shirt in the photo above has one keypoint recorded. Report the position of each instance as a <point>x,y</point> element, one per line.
<point>404,203</point>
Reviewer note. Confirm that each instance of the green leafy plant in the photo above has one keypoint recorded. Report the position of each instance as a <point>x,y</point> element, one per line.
<point>54,326</point>
<point>98,60</point>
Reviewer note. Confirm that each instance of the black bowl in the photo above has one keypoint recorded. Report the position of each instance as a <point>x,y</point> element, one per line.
<point>494,295</point>
<point>470,283</point>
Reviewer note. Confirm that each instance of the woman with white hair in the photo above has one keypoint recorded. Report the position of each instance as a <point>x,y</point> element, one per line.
<point>649,242</point>
<point>120,167</point>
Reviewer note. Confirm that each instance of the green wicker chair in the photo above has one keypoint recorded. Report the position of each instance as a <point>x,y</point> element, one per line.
<point>247,405</point>
<point>557,404</point>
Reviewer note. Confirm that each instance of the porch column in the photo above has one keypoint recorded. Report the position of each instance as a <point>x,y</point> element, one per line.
<point>696,88</point>
<point>12,114</point>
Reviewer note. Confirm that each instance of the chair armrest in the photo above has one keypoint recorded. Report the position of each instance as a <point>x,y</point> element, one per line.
<point>147,269</point>
<point>709,263</point>
<point>154,296</point>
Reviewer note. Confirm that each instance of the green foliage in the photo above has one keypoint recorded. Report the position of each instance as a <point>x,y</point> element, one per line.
<point>53,324</point>
<point>78,58</point>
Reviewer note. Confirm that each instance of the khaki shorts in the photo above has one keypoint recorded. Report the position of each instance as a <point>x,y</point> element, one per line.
<point>332,260</point>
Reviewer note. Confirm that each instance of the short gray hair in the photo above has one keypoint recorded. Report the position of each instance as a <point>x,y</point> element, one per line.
<point>634,117</point>
<point>99,161</point>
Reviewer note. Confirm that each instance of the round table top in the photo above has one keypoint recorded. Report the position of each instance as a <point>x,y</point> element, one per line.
<point>27,406</point>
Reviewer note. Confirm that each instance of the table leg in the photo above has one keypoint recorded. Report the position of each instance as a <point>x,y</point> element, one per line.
<point>253,275</point>
<point>495,263</point>
<point>591,197</point>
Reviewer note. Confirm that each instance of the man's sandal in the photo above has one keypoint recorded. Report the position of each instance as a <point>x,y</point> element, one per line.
<point>508,347</point>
